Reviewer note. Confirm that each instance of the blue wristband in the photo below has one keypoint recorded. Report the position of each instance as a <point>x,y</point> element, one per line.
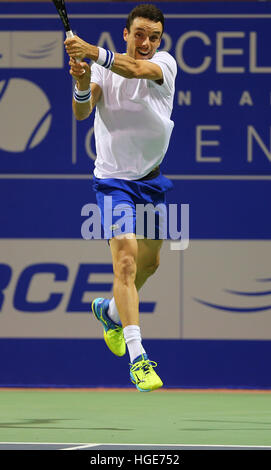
<point>106,58</point>
<point>81,96</point>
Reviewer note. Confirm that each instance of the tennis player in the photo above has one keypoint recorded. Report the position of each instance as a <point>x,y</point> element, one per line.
<point>133,95</point>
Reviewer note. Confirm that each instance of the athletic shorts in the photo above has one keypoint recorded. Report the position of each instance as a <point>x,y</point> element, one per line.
<point>133,206</point>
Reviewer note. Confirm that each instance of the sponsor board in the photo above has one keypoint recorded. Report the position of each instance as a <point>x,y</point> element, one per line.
<point>226,290</point>
<point>47,286</point>
<point>222,130</point>
<point>222,127</point>
<point>213,290</point>
<point>31,49</point>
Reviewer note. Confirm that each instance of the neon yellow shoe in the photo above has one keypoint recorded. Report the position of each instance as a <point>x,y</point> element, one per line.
<point>143,376</point>
<point>113,333</point>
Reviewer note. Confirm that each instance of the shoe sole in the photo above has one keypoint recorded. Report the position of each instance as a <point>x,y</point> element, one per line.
<point>93,310</point>
<point>142,389</point>
<point>108,345</point>
<point>105,337</point>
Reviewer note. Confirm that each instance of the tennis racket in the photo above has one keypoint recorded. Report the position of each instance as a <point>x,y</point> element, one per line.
<point>61,9</point>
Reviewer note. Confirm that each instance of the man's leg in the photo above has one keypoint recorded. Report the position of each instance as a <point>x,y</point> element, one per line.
<point>134,261</point>
<point>148,260</point>
<point>125,252</point>
<point>124,256</point>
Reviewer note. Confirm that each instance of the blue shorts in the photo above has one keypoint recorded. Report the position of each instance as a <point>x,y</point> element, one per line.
<point>124,206</point>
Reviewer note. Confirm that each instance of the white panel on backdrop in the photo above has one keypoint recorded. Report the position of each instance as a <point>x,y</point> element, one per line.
<point>37,49</point>
<point>29,112</point>
<point>227,289</point>
<point>5,41</point>
<point>31,49</point>
<point>47,272</point>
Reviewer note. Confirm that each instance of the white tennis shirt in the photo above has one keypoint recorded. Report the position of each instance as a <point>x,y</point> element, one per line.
<point>132,124</point>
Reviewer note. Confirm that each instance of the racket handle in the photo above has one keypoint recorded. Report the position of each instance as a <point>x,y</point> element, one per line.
<point>69,35</point>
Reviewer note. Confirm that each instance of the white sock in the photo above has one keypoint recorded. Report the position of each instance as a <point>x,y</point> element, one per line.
<point>113,312</point>
<point>133,340</point>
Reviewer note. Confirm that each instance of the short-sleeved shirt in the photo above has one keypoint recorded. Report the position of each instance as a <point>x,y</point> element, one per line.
<point>132,123</point>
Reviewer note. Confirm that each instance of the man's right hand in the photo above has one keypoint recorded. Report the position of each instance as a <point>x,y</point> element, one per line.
<point>81,73</point>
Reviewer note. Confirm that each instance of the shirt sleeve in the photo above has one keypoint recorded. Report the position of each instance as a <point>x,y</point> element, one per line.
<point>96,74</point>
<point>169,69</point>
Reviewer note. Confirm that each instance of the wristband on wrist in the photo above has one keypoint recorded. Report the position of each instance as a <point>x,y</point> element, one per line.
<point>105,58</point>
<point>81,96</point>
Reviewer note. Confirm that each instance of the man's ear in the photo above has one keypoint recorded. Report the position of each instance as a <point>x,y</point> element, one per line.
<point>125,34</point>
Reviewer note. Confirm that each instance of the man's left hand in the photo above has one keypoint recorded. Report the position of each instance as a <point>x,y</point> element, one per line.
<point>76,47</point>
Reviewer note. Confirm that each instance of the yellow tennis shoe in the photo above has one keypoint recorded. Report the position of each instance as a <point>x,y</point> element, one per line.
<point>113,333</point>
<point>143,376</point>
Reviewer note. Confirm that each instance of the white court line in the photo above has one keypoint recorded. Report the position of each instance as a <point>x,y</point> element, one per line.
<point>188,445</point>
<point>81,447</point>
<point>85,445</point>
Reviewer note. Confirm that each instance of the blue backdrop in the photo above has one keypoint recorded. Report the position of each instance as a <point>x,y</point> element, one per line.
<point>219,160</point>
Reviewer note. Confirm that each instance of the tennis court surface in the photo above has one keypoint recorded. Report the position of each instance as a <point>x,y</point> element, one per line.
<point>113,419</point>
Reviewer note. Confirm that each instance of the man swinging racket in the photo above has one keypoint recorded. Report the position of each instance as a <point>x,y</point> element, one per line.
<point>133,94</point>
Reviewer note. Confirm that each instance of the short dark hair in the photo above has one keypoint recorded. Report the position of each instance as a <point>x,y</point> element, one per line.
<point>145,10</point>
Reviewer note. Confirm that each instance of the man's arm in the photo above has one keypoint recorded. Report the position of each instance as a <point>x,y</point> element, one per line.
<point>131,68</point>
<point>81,73</point>
<point>123,64</point>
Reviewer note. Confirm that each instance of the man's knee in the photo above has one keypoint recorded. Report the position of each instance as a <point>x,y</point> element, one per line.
<point>125,267</point>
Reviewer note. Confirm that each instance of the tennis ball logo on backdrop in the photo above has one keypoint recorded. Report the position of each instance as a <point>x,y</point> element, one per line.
<point>25,115</point>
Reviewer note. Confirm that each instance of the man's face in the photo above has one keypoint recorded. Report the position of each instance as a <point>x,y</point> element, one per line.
<point>143,39</point>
